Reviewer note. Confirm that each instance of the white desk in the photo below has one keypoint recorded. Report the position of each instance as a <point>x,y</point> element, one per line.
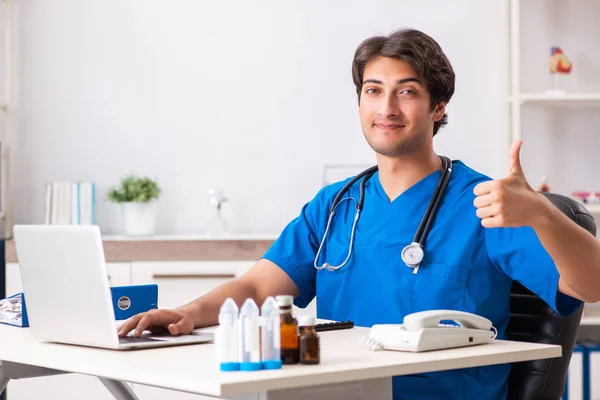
<point>345,365</point>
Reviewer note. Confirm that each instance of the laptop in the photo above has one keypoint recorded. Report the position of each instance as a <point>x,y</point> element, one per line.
<point>66,288</point>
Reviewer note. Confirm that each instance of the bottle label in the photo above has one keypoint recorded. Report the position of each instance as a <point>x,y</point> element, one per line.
<point>251,335</point>
<point>289,336</point>
<point>276,333</point>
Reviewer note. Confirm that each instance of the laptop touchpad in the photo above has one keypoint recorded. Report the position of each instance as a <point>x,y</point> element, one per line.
<point>143,339</point>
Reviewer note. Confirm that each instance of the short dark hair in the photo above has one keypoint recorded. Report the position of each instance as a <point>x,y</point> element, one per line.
<point>423,54</point>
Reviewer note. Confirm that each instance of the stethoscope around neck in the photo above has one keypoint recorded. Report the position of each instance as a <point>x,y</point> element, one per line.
<point>412,255</point>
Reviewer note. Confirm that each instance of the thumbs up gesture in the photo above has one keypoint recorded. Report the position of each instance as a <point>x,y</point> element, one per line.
<point>510,201</point>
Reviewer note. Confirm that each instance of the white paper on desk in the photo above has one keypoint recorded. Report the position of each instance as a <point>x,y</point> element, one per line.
<point>11,310</point>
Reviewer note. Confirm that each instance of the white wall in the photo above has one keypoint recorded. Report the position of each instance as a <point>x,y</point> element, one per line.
<point>250,97</point>
<point>4,98</point>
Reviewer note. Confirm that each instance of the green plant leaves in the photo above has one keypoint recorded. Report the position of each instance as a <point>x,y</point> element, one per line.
<point>135,189</point>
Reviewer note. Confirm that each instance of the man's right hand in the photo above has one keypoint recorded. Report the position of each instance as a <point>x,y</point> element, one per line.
<point>175,322</point>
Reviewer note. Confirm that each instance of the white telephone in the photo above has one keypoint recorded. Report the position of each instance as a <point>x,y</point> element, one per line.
<point>423,331</point>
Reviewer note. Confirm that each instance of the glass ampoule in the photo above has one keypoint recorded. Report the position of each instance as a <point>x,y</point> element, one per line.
<point>310,352</point>
<point>288,330</point>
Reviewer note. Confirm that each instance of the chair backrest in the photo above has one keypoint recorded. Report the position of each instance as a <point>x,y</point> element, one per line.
<point>532,320</point>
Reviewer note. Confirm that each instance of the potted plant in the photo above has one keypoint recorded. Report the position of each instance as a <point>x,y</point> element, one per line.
<point>138,197</point>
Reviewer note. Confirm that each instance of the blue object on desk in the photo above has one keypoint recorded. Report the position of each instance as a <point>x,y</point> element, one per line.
<point>24,321</point>
<point>127,302</point>
<point>133,299</point>
<point>2,279</point>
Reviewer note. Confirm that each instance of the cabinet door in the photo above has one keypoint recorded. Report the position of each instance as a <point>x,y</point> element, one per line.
<point>153,393</point>
<point>63,387</point>
<point>69,386</point>
<point>182,282</point>
<point>118,275</point>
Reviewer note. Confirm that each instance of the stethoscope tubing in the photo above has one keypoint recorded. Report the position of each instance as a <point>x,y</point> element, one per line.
<point>416,247</point>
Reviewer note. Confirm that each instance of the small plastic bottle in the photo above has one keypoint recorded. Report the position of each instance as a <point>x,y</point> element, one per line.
<point>289,331</point>
<point>226,338</point>
<point>249,337</point>
<point>309,342</point>
<point>270,335</point>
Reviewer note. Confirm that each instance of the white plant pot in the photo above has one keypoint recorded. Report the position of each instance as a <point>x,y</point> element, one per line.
<point>139,219</point>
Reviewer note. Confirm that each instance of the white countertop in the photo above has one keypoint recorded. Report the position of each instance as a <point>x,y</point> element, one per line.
<point>178,247</point>
<point>196,236</point>
<point>192,368</point>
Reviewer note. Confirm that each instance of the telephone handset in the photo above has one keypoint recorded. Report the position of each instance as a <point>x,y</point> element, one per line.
<point>422,331</point>
<point>433,318</point>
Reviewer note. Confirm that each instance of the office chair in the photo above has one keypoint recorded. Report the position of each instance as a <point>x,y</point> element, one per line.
<point>532,320</point>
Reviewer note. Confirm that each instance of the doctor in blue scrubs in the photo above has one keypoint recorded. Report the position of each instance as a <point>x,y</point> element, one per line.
<point>483,235</point>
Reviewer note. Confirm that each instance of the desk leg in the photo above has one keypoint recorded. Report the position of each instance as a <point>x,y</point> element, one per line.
<point>371,389</point>
<point>3,380</point>
<point>12,370</point>
<point>118,389</point>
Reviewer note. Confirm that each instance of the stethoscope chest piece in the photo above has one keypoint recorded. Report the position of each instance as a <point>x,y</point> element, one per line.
<point>412,255</point>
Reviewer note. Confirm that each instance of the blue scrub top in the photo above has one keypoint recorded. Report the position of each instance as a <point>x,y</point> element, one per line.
<point>466,267</point>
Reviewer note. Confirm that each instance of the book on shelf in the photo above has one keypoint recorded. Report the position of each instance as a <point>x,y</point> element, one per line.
<point>70,203</point>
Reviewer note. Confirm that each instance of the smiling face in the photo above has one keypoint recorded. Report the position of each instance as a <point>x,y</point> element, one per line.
<point>395,108</point>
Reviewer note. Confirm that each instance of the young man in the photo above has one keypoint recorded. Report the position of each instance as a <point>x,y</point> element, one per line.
<point>486,233</point>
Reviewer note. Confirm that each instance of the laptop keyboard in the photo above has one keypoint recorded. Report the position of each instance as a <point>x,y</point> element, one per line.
<point>132,339</point>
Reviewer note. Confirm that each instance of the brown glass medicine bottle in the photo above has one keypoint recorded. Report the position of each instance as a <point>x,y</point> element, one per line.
<point>310,352</point>
<point>288,330</point>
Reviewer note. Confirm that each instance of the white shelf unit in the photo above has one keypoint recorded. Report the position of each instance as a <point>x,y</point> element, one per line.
<point>6,107</point>
<point>591,98</point>
<point>517,99</point>
<point>593,209</point>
